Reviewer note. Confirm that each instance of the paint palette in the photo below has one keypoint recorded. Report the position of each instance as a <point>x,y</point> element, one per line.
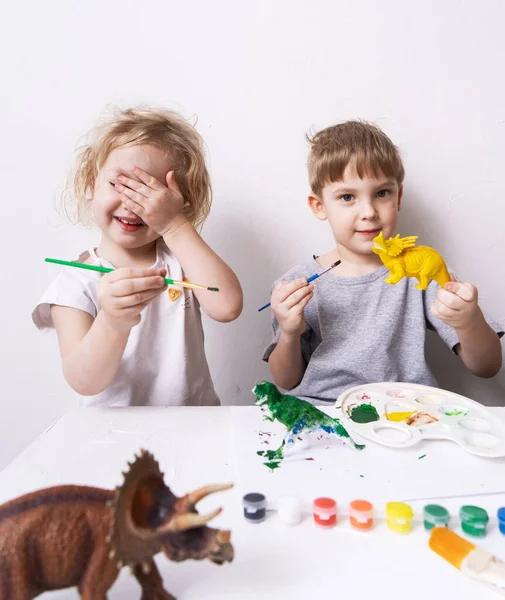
<point>400,415</point>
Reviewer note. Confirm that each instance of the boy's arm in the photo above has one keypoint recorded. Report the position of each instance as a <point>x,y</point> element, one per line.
<point>202,265</point>
<point>286,363</point>
<point>480,348</point>
<point>479,345</point>
<point>90,350</point>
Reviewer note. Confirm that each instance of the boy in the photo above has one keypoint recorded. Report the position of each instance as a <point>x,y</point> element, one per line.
<point>351,327</point>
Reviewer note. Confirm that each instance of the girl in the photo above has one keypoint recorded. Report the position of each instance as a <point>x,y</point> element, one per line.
<point>124,340</point>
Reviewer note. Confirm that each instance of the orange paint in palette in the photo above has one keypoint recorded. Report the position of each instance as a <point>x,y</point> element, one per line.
<point>361,515</point>
<point>325,512</point>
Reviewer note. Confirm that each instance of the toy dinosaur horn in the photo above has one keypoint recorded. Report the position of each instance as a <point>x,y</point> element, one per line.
<point>188,520</point>
<point>191,500</point>
<point>223,537</point>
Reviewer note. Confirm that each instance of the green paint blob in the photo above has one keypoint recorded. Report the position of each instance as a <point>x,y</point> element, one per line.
<point>364,413</point>
<point>422,456</point>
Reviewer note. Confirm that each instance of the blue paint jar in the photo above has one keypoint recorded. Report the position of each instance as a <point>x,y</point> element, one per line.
<point>501,519</point>
<point>255,505</point>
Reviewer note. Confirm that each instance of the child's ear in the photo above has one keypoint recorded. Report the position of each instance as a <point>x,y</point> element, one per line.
<point>317,207</point>
<point>400,196</point>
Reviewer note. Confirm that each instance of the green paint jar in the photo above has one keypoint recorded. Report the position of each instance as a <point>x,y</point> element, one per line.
<point>435,516</point>
<point>474,520</point>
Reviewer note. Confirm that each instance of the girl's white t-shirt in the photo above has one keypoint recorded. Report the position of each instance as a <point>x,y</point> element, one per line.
<point>164,361</point>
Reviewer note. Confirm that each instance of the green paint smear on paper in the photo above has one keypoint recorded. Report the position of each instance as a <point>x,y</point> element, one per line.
<point>364,413</point>
<point>298,416</point>
<point>422,456</point>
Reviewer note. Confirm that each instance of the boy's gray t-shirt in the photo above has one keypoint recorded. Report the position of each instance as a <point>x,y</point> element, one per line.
<point>362,330</point>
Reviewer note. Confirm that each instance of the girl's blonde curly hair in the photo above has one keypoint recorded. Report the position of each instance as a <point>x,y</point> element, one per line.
<point>162,128</point>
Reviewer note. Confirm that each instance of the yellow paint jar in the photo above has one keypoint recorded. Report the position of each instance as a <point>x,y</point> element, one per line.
<point>399,517</point>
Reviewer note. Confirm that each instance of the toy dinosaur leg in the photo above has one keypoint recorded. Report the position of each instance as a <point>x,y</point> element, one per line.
<point>99,576</point>
<point>396,274</point>
<point>15,583</point>
<point>152,583</point>
<point>442,276</point>
<point>424,279</point>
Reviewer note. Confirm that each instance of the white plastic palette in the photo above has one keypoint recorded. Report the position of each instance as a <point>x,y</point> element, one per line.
<point>409,413</point>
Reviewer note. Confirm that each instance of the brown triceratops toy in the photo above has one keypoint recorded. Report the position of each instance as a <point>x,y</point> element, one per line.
<point>69,536</point>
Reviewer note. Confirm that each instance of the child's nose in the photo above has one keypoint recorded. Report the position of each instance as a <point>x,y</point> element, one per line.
<point>368,210</point>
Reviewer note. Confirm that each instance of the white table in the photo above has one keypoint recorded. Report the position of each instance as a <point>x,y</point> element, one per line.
<point>195,446</point>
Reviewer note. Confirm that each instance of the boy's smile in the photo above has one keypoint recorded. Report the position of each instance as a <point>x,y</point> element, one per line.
<point>358,209</point>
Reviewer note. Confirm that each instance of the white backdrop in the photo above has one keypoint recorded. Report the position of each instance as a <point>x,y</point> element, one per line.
<point>258,76</point>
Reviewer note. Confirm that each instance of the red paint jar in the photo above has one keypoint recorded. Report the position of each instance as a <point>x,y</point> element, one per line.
<point>325,512</point>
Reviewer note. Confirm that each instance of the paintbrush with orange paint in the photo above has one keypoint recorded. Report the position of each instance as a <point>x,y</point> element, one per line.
<point>468,558</point>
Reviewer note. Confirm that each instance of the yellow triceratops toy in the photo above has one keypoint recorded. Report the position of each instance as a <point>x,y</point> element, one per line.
<point>404,259</point>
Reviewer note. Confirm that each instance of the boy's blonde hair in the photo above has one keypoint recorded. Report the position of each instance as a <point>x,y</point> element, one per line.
<point>333,148</point>
<point>162,128</point>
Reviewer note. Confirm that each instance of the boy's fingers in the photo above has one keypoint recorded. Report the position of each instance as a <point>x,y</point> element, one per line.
<point>284,289</point>
<point>465,291</point>
<point>449,299</point>
<point>440,310</point>
<point>297,296</point>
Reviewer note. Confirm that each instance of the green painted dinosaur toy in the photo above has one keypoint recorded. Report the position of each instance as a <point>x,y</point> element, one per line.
<point>297,415</point>
<point>404,259</point>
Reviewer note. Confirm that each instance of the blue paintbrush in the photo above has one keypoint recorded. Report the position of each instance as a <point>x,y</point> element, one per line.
<point>311,278</point>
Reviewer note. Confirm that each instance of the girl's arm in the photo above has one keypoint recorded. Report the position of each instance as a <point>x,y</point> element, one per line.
<point>202,265</point>
<point>92,348</point>
<point>160,206</point>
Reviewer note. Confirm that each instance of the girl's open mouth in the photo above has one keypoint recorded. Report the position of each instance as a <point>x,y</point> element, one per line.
<point>128,225</point>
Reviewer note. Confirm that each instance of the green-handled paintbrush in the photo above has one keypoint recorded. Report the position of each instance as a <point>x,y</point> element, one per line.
<point>184,284</point>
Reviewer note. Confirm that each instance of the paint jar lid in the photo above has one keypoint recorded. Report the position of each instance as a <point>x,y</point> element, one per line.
<point>289,504</point>
<point>326,506</point>
<point>501,514</point>
<point>473,514</point>
<point>399,510</point>
<point>361,510</point>
<point>435,514</point>
<point>361,505</point>
<point>254,500</point>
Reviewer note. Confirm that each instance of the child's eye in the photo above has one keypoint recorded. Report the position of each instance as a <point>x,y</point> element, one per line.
<point>347,197</point>
<point>383,193</point>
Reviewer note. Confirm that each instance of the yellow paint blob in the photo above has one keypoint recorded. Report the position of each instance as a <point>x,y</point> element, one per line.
<point>399,517</point>
<point>399,417</point>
